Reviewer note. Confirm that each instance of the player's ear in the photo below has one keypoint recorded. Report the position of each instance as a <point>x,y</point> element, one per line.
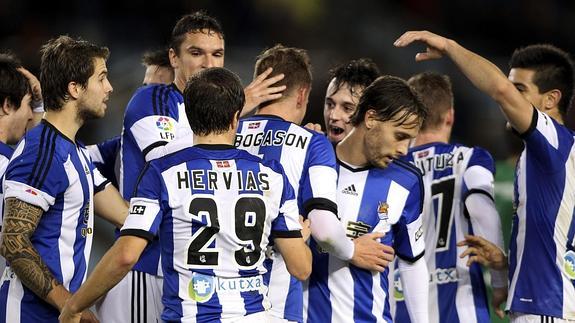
<point>235,121</point>
<point>450,117</point>
<point>173,58</point>
<point>370,119</point>
<point>551,99</point>
<point>74,89</point>
<point>6,107</point>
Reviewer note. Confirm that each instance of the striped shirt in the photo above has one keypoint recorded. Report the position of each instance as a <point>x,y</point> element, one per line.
<point>214,207</point>
<point>52,172</point>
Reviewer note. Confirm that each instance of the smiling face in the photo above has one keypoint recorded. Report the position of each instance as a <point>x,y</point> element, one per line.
<point>388,140</point>
<point>93,98</point>
<point>340,104</point>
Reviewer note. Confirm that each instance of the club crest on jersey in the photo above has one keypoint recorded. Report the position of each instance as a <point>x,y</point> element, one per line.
<point>31,191</point>
<point>222,164</point>
<point>254,125</point>
<point>382,208</point>
<point>201,287</point>
<point>569,264</point>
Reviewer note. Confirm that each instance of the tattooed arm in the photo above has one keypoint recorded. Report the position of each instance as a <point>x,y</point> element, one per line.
<point>20,222</point>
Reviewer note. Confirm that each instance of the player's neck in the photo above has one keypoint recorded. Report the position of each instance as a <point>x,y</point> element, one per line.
<point>426,137</point>
<point>351,149</point>
<point>282,109</point>
<point>65,120</point>
<point>226,138</point>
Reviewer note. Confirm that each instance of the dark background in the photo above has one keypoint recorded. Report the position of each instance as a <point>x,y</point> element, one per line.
<point>333,31</point>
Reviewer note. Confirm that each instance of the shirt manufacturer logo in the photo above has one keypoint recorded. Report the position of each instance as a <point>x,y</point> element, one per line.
<point>350,190</point>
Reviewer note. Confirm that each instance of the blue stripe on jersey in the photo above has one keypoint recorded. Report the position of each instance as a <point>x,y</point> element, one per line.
<point>173,310</point>
<point>318,286</point>
<point>3,295</point>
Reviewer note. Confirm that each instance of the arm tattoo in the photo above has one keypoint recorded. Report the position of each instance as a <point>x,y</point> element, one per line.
<point>20,221</point>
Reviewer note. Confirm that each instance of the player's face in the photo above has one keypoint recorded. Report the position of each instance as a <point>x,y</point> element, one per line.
<point>20,119</point>
<point>523,80</point>
<point>388,140</point>
<point>198,51</point>
<point>92,100</point>
<point>340,104</point>
<point>158,75</point>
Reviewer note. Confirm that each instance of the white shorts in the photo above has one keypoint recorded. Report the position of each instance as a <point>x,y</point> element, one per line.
<point>259,317</point>
<point>136,298</point>
<point>275,319</point>
<point>531,318</point>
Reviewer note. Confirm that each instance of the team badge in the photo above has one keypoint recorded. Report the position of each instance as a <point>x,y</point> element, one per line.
<point>164,124</point>
<point>569,264</point>
<point>201,287</point>
<point>382,208</point>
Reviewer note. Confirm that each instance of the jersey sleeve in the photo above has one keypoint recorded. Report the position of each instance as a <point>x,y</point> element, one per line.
<point>479,174</point>
<point>145,213</point>
<point>150,119</point>
<point>409,243</point>
<point>36,176</point>
<point>318,186</point>
<point>286,224</point>
<point>548,142</point>
<point>104,156</point>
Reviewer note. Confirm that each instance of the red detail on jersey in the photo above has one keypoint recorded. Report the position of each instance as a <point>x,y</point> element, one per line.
<point>222,163</point>
<point>254,125</point>
<point>31,191</point>
<point>422,154</point>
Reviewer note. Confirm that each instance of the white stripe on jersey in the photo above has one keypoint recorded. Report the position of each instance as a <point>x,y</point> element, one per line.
<point>322,174</point>
<point>521,179</point>
<point>562,224</point>
<point>340,281</point>
<point>72,202</point>
<point>293,158</point>
<point>15,294</point>
<point>379,297</point>
<point>549,132</point>
<point>94,179</point>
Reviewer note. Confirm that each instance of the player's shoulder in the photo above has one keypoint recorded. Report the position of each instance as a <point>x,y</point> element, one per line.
<point>405,173</point>
<point>153,99</point>
<point>5,151</point>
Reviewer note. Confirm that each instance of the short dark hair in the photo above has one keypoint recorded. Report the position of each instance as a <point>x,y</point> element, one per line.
<point>66,60</point>
<point>391,99</point>
<point>157,57</point>
<point>553,70</point>
<point>195,23</point>
<point>361,72</point>
<point>436,94</point>
<point>13,84</point>
<point>293,63</point>
<point>212,98</point>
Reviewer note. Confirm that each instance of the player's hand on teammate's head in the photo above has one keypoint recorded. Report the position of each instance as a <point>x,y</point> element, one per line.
<point>484,252</point>
<point>314,127</point>
<point>305,228</point>
<point>34,85</point>
<point>261,90</point>
<point>436,45</point>
<point>499,296</point>
<point>371,254</point>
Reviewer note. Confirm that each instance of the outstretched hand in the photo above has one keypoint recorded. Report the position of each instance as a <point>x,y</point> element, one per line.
<point>484,252</point>
<point>436,45</point>
<point>260,90</point>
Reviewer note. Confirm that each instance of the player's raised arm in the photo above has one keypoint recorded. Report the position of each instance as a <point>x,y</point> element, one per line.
<point>482,73</point>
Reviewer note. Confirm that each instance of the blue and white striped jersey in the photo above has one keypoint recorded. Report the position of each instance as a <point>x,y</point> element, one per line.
<point>52,172</point>
<point>106,157</point>
<point>369,200</point>
<point>215,208</point>
<point>154,117</point>
<point>5,155</point>
<point>542,247</point>
<point>309,163</point>
<point>451,173</point>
